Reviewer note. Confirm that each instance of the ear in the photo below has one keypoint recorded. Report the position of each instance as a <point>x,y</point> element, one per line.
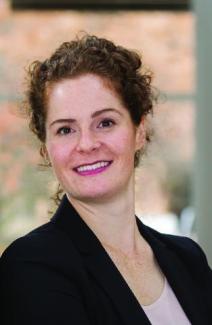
<point>44,152</point>
<point>140,139</point>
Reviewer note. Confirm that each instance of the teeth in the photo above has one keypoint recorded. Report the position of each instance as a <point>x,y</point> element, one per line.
<point>93,167</point>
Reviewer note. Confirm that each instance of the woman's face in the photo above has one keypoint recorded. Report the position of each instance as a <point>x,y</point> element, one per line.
<point>90,138</point>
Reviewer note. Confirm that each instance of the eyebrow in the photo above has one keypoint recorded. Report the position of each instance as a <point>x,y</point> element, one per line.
<point>95,114</point>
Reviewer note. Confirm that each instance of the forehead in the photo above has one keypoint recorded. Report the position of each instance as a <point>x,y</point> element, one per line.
<point>86,92</point>
<point>83,82</point>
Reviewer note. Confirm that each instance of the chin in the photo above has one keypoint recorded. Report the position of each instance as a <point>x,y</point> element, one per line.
<point>100,196</point>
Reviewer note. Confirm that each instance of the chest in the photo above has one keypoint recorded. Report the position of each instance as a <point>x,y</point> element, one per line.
<point>142,275</point>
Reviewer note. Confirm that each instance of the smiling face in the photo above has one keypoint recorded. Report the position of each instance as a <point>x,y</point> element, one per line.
<point>90,138</point>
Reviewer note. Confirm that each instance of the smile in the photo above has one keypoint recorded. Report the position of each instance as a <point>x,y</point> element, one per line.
<point>94,168</point>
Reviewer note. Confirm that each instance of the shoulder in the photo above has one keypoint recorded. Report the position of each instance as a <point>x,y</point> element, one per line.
<point>44,258</point>
<point>40,276</point>
<point>38,240</point>
<point>186,249</point>
<point>45,245</point>
<point>184,246</point>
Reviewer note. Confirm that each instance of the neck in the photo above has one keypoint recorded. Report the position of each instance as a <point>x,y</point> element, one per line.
<point>113,222</point>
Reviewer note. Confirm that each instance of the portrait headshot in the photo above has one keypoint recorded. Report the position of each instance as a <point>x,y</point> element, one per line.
<point>91,105</point>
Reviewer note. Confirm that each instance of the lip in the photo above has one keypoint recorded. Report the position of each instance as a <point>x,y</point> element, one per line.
<point>92,171</point>
<point>91,163</point>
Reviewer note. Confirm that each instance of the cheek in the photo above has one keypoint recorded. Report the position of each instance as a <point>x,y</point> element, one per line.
<point>58,154</point>
<point>124,145</point>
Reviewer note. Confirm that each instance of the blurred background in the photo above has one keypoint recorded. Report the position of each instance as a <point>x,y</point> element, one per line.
<point>165,38</point>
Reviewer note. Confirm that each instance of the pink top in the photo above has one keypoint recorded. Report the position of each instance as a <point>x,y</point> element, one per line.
<point>166,310</point>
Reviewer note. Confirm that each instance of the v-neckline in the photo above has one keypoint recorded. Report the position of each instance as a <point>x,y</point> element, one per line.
<point>99,264</point>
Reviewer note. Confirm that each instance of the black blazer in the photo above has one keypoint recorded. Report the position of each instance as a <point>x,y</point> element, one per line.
<point>60,274</point>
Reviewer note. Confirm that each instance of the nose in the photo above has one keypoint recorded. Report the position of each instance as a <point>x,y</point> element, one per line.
<point>87,142</point>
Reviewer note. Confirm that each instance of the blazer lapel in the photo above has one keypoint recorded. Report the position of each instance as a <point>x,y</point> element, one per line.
<point>109,278</point>
<point>99,264</point>
<point>178,277</point>
<point>103,270</point>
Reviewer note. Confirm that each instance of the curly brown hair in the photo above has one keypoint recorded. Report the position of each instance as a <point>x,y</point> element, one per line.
<point>90,54</point>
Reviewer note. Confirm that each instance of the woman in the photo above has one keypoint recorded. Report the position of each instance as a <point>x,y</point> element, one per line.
<point>95,262</point>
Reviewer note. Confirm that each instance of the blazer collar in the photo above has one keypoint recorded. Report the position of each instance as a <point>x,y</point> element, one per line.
<point>68,219</point>
<point>100,265</point>
<point>84,239</point>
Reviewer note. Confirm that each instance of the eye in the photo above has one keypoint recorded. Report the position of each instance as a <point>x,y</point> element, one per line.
<point>64,130</point>
<point>106,123</point>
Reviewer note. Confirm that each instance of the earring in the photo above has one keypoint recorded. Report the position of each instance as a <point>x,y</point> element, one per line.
<point>47,162</point>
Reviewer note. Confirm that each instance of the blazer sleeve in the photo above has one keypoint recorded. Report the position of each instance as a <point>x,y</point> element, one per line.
<point>35,292</point>
<point>206,276</point>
